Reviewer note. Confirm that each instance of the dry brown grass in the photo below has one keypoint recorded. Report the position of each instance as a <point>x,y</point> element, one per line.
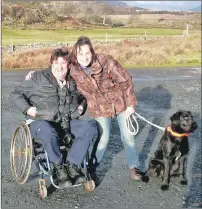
<point>27,59</point>
<point>153,52</point>
<point>160,20</point>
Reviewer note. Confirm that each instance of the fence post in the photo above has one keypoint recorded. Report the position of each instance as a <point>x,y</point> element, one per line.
<point>106,38</point>
<point>145,33</point>
<point>12,47</point>
<point>66,41</point>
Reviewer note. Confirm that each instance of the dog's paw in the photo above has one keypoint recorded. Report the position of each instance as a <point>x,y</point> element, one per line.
<point>145,178</point>
<point>164,187</point>
<point>183,182</point>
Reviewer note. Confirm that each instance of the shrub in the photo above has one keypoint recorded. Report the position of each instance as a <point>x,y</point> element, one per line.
<point>17,12</point>
<point>118,24</point>
<point>95,19</point>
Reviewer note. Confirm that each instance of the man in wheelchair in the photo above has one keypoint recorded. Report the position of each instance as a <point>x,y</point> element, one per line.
<point>52,106</point>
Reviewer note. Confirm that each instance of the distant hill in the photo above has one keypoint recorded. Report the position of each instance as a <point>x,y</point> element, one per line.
<point>69,14</point>
<point>116,3</point>
<point>196,9</point>
<point>122,8</point>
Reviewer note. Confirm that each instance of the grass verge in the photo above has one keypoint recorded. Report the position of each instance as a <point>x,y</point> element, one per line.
<point>163,52</point>
<point>22,37</point>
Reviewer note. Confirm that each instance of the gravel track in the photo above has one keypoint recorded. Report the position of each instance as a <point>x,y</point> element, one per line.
<point>160,93</point>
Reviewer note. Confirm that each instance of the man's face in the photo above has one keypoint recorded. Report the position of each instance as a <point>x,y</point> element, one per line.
<point>84,55</point>
<point>60,68</point>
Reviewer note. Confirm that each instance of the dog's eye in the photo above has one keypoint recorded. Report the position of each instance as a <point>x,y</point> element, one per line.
<point>186,117</point>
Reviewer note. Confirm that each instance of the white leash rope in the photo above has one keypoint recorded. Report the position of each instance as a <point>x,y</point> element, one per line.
<point>132,130</point>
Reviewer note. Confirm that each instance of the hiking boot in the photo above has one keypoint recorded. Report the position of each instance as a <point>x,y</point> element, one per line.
<point>62,176</point>
<point>136,174</point>
<point>93,174</point>
<point>95,178</point>
<point>75,173</point>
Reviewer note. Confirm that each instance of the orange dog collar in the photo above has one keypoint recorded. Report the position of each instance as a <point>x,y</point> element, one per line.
<point>176,134</point>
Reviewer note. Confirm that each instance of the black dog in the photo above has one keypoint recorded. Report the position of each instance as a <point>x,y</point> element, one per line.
<point>171,155</point>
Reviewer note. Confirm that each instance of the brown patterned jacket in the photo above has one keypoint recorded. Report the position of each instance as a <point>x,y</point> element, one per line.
<point>109,89</point>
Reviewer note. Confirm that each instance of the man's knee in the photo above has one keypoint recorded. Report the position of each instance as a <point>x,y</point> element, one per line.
<point>93,126</point>
<point>44,130</point>
<point>88,126</point>
<point>84,129</point>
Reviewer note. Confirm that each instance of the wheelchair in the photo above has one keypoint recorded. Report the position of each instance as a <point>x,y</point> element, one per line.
<point>25,150</point>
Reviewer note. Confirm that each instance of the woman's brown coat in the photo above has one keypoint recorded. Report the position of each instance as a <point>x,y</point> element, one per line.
<point>108,89</point>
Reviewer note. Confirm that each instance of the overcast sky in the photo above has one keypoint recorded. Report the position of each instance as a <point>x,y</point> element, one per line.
<point>165,5</point>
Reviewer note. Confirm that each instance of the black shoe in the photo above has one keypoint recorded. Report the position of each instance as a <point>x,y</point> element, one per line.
<point>93,173</point>
<point>95,178</point>
<point>62,176</point>
<point>92,170</point>
<point>75,173</point>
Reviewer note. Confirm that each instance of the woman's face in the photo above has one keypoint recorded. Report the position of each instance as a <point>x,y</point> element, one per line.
<point>84,55</point>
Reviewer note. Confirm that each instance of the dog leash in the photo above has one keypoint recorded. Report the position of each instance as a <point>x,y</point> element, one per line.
<point>134,130</point>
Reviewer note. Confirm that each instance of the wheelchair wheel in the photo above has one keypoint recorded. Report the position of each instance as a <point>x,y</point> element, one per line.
<point>89,186</point>
<point>21,153</point>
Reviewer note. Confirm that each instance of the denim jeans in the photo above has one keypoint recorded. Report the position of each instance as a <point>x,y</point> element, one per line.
<point>48,135</point>
<point>104,125</point>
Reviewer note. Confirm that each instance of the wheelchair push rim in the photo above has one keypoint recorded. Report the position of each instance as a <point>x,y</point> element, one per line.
<point>21,153</point>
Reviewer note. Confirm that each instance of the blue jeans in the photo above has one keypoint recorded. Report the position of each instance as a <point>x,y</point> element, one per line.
<point>48,133</point>
<point>104,125</point>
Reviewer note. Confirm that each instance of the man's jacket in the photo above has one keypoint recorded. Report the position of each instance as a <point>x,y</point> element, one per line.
<point>43,92</point>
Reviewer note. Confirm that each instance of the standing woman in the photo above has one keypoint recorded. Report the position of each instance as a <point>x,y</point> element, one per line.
<point>109,91</point>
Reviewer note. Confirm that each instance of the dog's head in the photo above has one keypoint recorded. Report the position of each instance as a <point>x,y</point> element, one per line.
<point>182,122</point>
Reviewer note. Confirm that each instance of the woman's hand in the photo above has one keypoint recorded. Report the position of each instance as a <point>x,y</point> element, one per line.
<point>130,110</point>
<point>29,75</point>
<point>32,112</point>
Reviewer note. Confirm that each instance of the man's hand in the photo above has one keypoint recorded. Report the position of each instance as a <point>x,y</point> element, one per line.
<point>32,111</point>
<point>29,75</point>
<point>130,110</point>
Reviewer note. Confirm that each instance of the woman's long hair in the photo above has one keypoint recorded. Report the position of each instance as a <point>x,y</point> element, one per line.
<point>80,42</point>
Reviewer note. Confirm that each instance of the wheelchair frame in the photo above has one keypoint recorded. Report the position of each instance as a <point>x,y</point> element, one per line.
<point>24,150</point>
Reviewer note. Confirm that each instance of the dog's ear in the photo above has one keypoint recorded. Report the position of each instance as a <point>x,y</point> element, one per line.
<point>189,113</point>
<point>175,118</point>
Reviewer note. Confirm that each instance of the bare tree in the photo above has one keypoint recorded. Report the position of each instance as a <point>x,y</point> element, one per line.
<point>68,10</point>
<point>104,11</point>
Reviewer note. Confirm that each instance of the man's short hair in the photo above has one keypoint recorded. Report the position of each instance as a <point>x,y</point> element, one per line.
<point>60,52</point>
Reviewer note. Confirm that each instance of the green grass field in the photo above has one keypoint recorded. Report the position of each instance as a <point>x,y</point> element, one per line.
<point>22,37</point>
